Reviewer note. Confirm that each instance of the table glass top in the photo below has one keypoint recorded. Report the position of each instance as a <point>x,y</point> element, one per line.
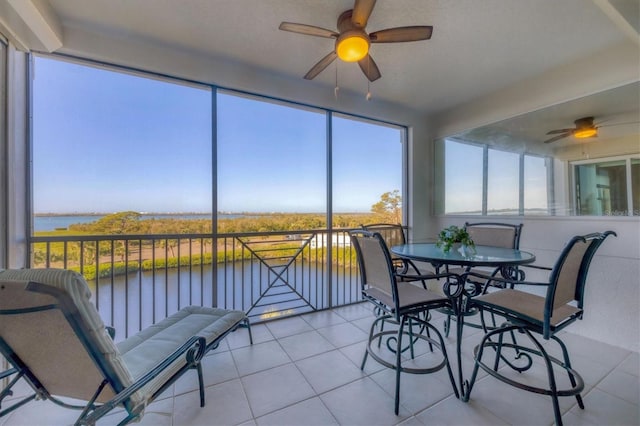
<point>483,255</point>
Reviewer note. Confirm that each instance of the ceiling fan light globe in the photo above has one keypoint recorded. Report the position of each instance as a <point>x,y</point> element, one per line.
<point>352,46</point>
<point>585,133</point>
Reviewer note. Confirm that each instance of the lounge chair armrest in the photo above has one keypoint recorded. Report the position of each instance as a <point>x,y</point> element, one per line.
<point>8,372</point>
<point>193,349</point>
<point>111,331</point>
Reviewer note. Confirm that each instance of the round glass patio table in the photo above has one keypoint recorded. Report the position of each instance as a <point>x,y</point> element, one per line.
<point>481,256</point>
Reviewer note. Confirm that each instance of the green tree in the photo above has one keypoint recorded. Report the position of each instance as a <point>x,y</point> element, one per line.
<point>119,223</point>
<point>389,208</point>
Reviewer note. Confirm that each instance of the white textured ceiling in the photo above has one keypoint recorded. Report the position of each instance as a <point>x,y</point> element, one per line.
<point>478,46</point>
<point>616,113</point>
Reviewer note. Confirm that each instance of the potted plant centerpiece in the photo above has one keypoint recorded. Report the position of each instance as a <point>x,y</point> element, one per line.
<point>457,238</point>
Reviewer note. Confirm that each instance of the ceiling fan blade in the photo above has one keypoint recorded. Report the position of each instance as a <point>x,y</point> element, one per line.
<point>557,131</point>
<point>557,138</point>
<point>321,65</point>
<point>400,34</point>
<point>308,30</point>
<point>619,124</point>
<point>361,12</point>
<point>369,68</point>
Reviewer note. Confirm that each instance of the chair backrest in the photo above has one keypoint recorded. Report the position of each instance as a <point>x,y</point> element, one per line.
<point>392,233</point>
<point>376,267</point>
<point>495,234</point>
<point>52,332</point>
<point>569,274</point>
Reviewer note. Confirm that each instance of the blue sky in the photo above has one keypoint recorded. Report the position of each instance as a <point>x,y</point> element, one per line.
<point>107,141</point>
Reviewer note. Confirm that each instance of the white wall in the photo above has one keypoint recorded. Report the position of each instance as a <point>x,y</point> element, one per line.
<point>15,195</point>
<point>612,299</point>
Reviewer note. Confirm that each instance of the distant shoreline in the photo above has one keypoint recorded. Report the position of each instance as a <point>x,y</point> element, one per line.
<point>46,222</point>
<point>107,214</point>
<point>187,214</point>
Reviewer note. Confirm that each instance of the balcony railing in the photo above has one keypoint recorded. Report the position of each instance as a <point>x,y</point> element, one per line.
<point>137,280</point>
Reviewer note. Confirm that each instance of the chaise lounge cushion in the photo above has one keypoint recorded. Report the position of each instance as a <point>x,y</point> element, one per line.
<point>151,346</point>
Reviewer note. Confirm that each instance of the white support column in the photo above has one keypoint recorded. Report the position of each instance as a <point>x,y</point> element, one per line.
<point>16,194</point>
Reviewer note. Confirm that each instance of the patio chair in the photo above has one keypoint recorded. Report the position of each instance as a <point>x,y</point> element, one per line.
<point>393,235</point>
<point>54,339</point>
<point>532,315</point>
<point>494,234</point>
<point>403,304</point>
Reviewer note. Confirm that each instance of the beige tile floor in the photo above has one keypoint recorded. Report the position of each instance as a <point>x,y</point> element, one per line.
<point>305,371</point>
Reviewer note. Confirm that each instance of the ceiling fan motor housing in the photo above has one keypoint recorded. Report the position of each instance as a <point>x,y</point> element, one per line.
<point>585,128</point>
<point>353,43</point>
<point>585,122</point>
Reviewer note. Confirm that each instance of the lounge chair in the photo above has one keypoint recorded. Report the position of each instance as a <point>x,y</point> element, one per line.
<point>54,338</point>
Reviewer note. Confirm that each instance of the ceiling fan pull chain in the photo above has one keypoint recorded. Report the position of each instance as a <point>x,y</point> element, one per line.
<point>368,97</point>
<point>336,89</point>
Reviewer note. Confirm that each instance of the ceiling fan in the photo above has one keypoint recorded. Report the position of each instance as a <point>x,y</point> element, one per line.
<point>353,42</point>
<point>584,128</point>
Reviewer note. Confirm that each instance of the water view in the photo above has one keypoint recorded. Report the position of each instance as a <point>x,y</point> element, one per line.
<point>136,300</point>
<point>43,223</point>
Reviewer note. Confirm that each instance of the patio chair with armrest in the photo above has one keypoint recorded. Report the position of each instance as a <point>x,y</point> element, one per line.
<point>393,235</point>
<point>533,315</point>
<point>405,269</point>
<point>53,337</point>
<point>404,304</point>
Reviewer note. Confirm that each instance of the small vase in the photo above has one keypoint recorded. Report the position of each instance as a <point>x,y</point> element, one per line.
<point>464,249</point>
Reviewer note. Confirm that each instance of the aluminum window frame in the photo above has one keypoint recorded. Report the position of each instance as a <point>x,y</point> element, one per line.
<point>628,178</point>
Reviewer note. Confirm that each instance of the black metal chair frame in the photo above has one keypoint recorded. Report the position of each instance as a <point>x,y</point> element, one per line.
<point>406,270</point>
<point>405,316</point>
<point>517,321</point>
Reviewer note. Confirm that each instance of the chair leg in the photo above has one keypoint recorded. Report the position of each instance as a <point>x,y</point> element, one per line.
<point>498,352</point>
<point>377,312</point>
<point>551,376</point>
<point>371,329</point>
<point>200,383</point>
<point>447,325</point>
<point>248,325</point>
<point>429,335</point>
<point>467,385</point>
<point>364,359</point>
<point>567,362</point>
<point>399,363</point>
<point>410,339</point>
<point>443,349</point>
<point>381,330</point>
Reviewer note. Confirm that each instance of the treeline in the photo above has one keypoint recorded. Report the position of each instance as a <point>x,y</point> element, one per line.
<point>340,256</point>
<point>134,223</point>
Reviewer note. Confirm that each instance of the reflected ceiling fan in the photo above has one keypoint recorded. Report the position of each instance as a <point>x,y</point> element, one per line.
<point>353,42</point>
<point>584,128</point>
